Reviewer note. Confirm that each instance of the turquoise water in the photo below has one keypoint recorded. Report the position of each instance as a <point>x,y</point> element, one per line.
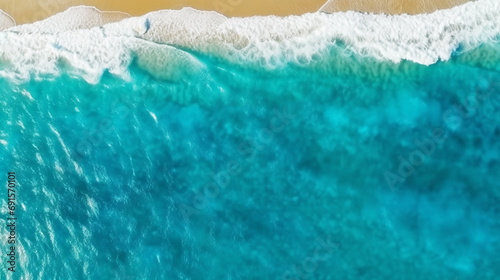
<point>352,168</point>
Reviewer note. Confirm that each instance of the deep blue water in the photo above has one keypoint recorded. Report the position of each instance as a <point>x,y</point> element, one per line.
<point>383,171</point>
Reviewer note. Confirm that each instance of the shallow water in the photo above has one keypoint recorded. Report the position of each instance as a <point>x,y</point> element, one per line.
<point>117,178</point>
<point>180,164</point>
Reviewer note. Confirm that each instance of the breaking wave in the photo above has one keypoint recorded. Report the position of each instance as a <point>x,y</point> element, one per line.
<point>84,41</point>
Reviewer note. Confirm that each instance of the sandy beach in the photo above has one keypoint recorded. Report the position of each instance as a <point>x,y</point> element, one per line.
<point>391,6</point>
<point>28,11</point>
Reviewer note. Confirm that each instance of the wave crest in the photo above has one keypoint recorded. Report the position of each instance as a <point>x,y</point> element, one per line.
<point>89,46</point>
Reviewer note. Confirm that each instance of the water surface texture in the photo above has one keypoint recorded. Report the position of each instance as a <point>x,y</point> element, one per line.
<point>140,154</point>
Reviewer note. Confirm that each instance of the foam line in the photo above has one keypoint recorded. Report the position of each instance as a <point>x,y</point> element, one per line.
<point>6,21</point>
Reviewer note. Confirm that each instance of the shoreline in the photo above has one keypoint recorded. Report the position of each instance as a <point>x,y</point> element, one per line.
<point>392,7</point>
<point>35,10</point>
<point>81,42</point>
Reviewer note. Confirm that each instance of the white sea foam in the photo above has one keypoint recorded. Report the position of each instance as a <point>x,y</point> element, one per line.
<point>75,41</point>
<point>80,17</point>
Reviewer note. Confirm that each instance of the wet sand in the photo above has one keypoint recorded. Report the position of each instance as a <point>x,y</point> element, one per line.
<point>391,6</point>
<point>27,11</point>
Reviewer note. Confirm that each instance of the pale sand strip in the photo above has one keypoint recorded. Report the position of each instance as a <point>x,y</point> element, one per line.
<point>390,6</point>
<point>27,11</point>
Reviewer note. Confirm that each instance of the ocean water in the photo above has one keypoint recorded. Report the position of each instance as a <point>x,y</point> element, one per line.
<point>162,148</point>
